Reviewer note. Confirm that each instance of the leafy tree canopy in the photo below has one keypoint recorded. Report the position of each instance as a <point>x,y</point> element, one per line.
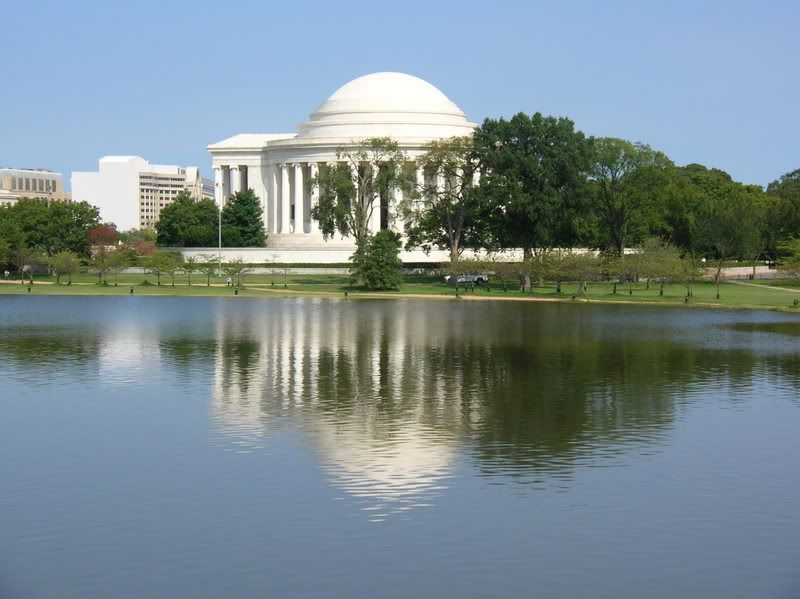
<point>242,225</point>
<point>350,191</point>
<point>186,223</point>
<point>48,227</point>
<point>448,210</point>
<point>534,172</point>
<point>787,192</point>
<point>627,181</point>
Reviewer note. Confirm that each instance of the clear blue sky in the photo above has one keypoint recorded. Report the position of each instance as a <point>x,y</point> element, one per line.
<point>709,82</point>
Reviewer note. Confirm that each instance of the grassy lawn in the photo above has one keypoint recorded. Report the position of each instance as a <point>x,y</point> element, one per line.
<point>758,295</point>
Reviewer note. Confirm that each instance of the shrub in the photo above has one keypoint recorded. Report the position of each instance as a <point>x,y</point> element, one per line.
<point>376,262</point>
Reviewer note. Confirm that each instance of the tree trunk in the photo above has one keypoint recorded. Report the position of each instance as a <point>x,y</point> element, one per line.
<point>527,254</point>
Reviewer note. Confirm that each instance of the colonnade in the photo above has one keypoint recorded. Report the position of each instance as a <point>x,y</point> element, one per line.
<point>286,198</point>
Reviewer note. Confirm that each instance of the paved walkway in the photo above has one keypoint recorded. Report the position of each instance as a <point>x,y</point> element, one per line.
<point>791,290</point>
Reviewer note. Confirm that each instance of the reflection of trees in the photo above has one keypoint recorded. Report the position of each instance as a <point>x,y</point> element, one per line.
<point>388,390</point>
<point>39,347</point>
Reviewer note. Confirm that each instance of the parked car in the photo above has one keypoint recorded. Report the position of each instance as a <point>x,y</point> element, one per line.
<point>467,279</point>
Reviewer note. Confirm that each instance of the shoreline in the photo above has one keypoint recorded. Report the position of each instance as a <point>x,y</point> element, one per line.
<point>216,290</point>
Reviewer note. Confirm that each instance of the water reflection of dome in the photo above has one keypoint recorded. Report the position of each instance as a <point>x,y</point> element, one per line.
<point>391,472</point>
<point>128,353</point>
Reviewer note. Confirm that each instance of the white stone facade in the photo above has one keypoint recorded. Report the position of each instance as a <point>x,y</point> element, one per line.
<point>130,192</point>
<point>277,167</point>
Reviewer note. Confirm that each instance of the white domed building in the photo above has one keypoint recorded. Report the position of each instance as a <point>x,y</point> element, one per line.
<point>277,167</point>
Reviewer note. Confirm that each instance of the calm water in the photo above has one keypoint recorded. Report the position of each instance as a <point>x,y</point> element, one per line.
<point>323,448</point>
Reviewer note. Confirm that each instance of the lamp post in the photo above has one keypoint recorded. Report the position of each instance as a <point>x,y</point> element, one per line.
<point>218,194</point>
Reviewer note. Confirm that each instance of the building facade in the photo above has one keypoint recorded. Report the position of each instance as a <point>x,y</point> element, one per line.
<point>130,192</point>
<point>277,167</point>
<point>39,183</point>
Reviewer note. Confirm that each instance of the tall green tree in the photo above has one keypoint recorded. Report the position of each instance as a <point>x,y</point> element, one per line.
<point>534,172</point>
<point>5,252</point>
<point>696,193</point>
<point>789,265</point>
<point>186,223</point>
<point>242,224</point>
<point>447,211</point>
<point>728,226</point>
<point>352,190</point>
<point>787,191</point>
<point>48,227</point>
<point>627,181</point>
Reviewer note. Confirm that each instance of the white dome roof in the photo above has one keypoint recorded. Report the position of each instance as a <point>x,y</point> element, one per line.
<point>387,104</point>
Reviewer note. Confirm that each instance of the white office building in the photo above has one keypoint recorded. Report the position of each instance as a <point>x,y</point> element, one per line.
<point>130,192</point>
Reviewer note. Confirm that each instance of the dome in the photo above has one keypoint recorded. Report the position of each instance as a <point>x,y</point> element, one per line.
<point>387,104</point>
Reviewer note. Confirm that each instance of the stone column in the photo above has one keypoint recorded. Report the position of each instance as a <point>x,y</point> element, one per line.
<point>299,193</point>
<point>285,199</point>
<point>257,181</point>
<point>273,198</point>
<point>397,222</point>
<point>314,172</point>
<point>226,184</point>
<point>375,219</point>
<point>440,183</point>
<point>219,188</point>
<point>420,180</point>
<point>236,179</point>
<point>354,175</point>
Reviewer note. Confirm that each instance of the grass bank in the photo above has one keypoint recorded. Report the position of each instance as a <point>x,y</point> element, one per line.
<point>777,295</point>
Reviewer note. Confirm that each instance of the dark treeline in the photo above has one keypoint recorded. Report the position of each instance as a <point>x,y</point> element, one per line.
<point>545,185</point>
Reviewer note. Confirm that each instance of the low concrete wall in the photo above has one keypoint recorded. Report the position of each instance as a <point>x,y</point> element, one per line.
<point>306,256</point>
<point>735,273</point>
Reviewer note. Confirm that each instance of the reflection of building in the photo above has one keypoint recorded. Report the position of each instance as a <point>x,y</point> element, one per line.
<point>39,183</point>
<point>128,353</point>
<point>354,383</point>
<point>390,393</point>
<point>397,468</point>
<point>278,166</point>
<point>131,192</point>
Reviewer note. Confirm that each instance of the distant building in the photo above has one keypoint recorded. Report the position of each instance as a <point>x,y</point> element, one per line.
<point>41,183</point>
<point>130,192</point>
